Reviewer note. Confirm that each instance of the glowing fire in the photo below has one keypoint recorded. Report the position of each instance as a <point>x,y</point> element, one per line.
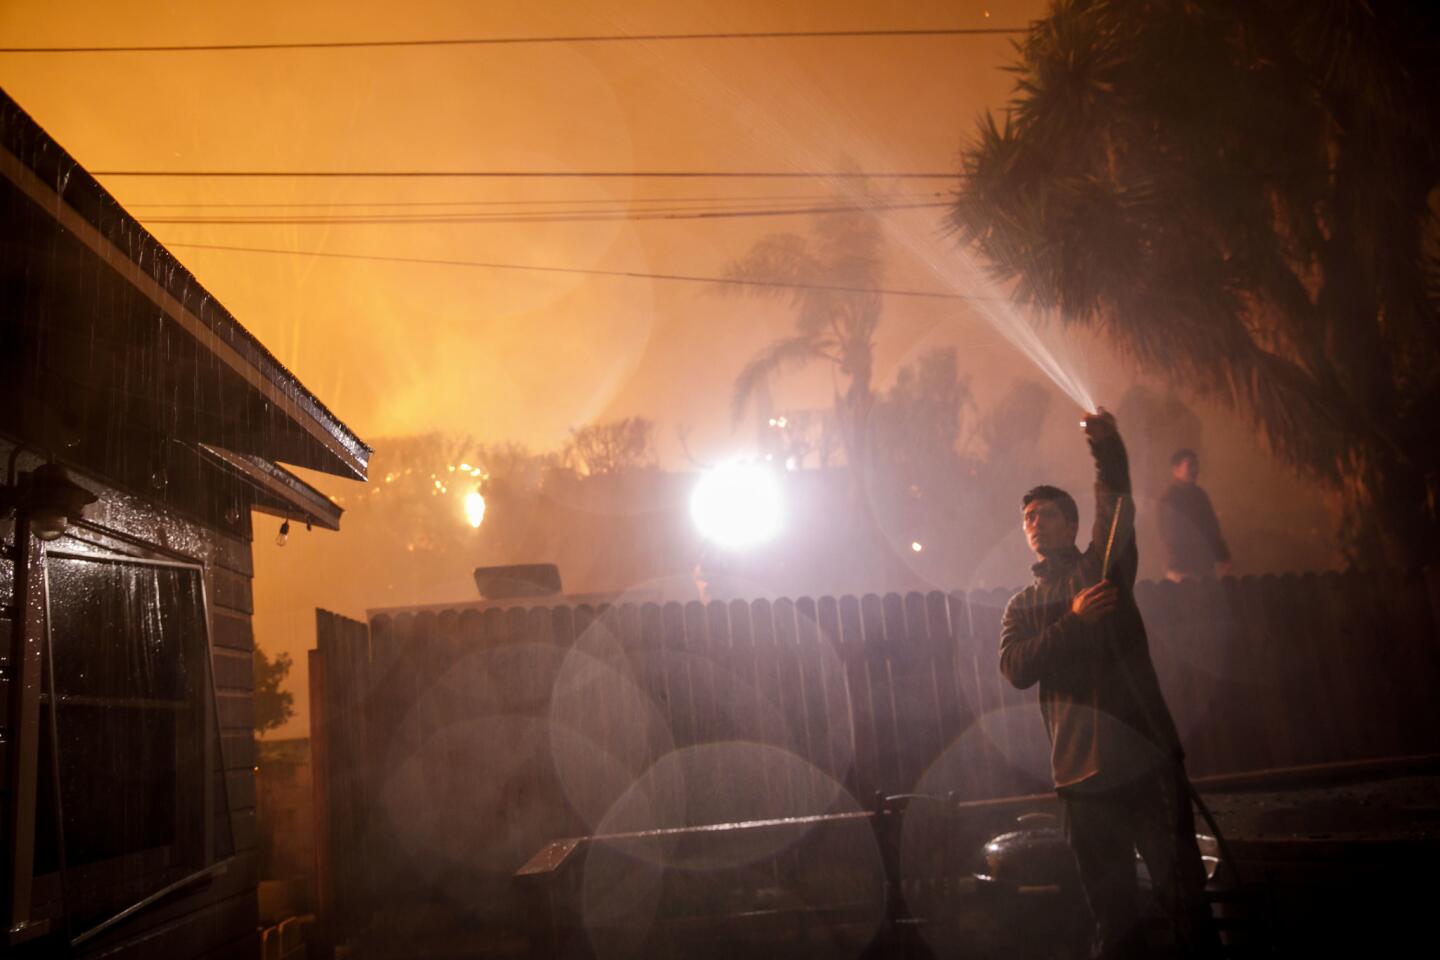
<point>474,508</point>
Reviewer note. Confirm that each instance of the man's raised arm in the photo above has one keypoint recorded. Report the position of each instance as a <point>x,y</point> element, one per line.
<point>1112,493</point>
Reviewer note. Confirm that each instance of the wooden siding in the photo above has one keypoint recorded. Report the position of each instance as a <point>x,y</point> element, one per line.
<point>223,913</point>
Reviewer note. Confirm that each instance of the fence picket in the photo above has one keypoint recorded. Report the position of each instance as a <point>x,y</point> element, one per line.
<point>1260,672</point>
<point>851,635</point>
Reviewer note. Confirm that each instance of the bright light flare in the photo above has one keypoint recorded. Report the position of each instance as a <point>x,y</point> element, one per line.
<point>737,504</point>
<point>474,508</point>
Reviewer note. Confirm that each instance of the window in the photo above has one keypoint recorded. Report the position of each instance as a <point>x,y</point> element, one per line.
<point>136,793</point>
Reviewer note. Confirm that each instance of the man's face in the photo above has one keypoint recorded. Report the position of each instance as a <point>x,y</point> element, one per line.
<point>1046,529</point>
<point>1187,470</point>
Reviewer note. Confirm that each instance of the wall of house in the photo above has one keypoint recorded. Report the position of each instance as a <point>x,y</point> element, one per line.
<point>219,917</point>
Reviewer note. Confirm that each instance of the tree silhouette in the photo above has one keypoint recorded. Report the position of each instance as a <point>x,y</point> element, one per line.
<point>831,326</point>
<point>1240,193</point>
<point>613,446</point>
<point>273,706</point>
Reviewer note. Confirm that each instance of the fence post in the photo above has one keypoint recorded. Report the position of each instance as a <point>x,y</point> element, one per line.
<point>320,790</point>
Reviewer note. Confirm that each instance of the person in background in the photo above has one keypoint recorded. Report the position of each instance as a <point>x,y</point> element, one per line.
<point>1189,529</point>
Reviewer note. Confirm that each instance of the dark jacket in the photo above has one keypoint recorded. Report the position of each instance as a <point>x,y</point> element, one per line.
<point>1101,701</point>
<point>1190,531</point>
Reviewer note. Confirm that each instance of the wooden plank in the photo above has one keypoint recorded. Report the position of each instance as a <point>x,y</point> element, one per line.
<point>1190,628</point>
<point>942,640</point>
<point>231,630</point>
<point>562,636</point>
<point>1412,652</point>
<point>517,625</point>
<point>591,709</point>
<point>322,822</point>
<point>980,779</point>
<point>238,749</point>
<point>702,687</point>
<point>240,788</point>
<point>358,691</point>
<point>244,829</point>
<point>539,626</point>
<point>234,670</point>
<point>1262,741</point>
<point>912,687</point>
<point>637,714</point>
<point>402,688</point>
<point>677,675</point>
<point>229,590</point>
<point>620,689</point>
<point>234,711</point>
<point>839,713</point>
<point>868,772</point>
<point>358,698</point>
<point>795,636</point>
<point>880,650</point>
<point>493,629</point>
<point>653,679</point>
<point>470,630</point>
<point>1314,689</point>
<point>999,704</point>
<point>761,795</point>
<point>720,657</point>
<point>782,715</point>
<point>447,630</point>
<point>720,653</point>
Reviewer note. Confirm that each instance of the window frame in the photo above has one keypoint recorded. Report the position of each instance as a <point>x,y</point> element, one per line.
<point>211,798</point>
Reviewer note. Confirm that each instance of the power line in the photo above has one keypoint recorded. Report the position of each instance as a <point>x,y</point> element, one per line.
<point>627,274</point>
<point>515,41</point>
<point>286,205</point>
<point>548,174</point>
<point>553,217</point>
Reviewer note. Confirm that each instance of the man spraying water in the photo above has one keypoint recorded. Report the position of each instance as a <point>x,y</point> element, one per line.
<point>1115,754</point>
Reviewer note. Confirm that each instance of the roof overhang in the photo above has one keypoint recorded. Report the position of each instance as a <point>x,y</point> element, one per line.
<point>279,492</point>
<point>104,329</point>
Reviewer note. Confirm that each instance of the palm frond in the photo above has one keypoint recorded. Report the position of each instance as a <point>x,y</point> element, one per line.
<point>779,265</point>
<point>789,352</point>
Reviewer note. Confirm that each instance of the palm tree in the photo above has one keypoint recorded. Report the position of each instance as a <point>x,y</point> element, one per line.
<point>1239,193</point>
<point>836,327</point>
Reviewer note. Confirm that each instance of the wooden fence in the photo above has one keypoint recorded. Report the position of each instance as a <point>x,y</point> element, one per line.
<point>450,746</point>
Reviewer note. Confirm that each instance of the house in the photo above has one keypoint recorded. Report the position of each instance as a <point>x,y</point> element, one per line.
<point>140,425</point>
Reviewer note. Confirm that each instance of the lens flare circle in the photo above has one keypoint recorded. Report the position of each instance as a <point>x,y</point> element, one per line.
<point>737,504</point>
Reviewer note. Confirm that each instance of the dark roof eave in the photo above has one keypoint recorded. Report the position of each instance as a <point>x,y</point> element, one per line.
<point>279,492</point>
<point>41,168</point>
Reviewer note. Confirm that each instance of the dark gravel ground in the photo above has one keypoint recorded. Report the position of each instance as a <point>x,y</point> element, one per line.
<point>1331,869</point>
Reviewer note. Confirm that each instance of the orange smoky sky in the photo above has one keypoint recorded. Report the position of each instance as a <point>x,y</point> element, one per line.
<point>505,354</point>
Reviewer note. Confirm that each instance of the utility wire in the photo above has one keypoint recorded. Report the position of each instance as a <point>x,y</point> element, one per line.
<point>549,174</point>
<point>628,274</point>
<point>515,41</point>
<point>286,205</point>
<point>554,217</point>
